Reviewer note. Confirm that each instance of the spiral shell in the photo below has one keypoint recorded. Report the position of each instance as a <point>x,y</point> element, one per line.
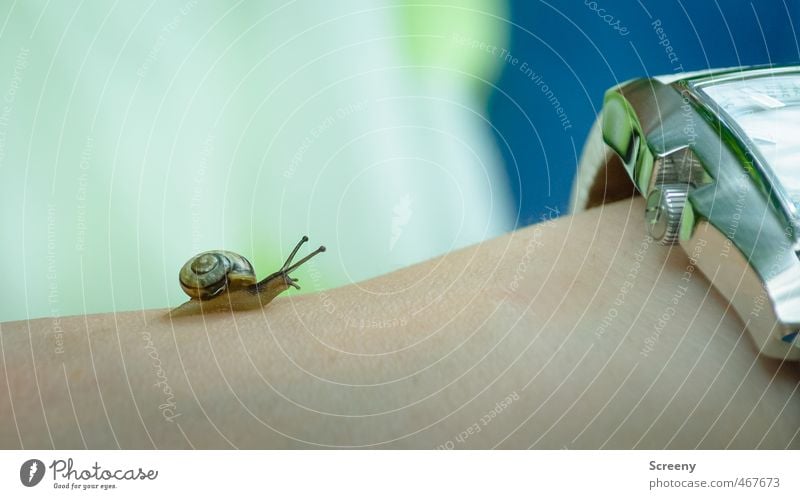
<point>211,273</point>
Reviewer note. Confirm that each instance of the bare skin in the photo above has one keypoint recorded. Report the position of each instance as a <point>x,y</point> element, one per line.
<point>548,337</point>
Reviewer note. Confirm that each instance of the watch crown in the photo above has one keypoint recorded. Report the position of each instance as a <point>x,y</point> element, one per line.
<point>664,211</point>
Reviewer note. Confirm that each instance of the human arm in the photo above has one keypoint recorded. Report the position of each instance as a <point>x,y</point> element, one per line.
<point>417,357</point>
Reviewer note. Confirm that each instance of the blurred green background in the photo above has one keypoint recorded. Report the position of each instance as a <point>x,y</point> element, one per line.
<point>136,134</point>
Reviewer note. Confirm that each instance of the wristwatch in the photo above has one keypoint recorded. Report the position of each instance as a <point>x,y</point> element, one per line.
<point>716,155</point>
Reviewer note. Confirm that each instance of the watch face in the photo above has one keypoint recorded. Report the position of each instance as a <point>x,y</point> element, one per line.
<point>767,109</point>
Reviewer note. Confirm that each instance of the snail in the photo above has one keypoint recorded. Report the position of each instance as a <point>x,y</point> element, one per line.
<point>224,280</point>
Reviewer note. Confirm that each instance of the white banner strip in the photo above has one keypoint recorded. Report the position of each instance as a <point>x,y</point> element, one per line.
<point>401,474</point>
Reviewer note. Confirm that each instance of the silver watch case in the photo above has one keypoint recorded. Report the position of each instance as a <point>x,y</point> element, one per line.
<point>736,223</point>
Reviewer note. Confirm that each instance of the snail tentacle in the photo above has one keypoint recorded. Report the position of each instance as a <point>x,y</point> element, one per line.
<point>288,267</point>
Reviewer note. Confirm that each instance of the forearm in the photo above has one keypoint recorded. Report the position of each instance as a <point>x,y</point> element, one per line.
<point>554,318</point>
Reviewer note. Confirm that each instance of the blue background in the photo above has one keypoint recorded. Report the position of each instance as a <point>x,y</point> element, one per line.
<point>579,55</point>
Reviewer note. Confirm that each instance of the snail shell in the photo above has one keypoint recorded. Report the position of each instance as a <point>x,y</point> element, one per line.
<point>211,273</point>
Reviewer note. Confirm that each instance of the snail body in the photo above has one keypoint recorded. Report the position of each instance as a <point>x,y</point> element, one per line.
<point>223,280</point>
